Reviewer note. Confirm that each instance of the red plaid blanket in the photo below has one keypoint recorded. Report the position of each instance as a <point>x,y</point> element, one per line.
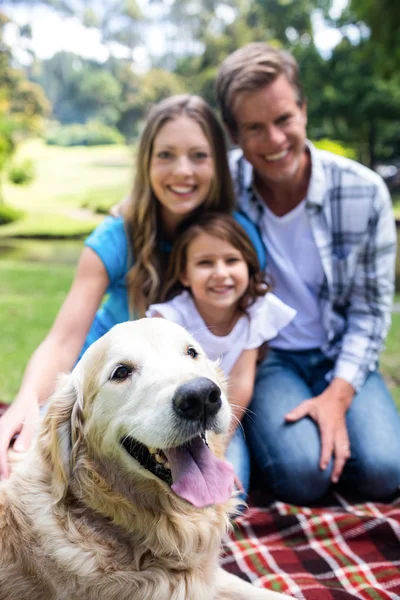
<point>341,551</point>
<point>338,551</point>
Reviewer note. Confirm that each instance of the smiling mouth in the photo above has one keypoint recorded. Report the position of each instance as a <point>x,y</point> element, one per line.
<point>277,156</point>
<point>153,459</point>
<point>221,291</point>
<point>182,190</point>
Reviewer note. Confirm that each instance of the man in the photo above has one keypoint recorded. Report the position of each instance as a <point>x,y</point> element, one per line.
<point>321,411</point>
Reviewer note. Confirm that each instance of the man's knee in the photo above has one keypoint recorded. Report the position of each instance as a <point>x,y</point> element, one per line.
<point>299,482</point>
<point>377,479</point>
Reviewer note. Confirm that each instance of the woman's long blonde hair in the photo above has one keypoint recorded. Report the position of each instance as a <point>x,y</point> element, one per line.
<point>145,278</point>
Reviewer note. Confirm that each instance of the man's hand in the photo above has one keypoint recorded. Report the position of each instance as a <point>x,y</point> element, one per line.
<point>328,410</point>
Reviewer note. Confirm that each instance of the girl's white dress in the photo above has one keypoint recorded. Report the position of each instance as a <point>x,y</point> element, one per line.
<point>262,322</point>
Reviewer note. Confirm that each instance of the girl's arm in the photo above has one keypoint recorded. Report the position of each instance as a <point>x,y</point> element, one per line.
<point>57,353</point>
<point>241,385</point>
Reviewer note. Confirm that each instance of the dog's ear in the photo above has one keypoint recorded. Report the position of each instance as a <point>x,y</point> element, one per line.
<point>60,435</point>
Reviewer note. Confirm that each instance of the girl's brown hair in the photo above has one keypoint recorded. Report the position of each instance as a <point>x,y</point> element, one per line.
<point>225,228</point>
<point>145,278</point>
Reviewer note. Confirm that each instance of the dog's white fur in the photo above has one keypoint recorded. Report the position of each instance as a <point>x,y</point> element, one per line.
<point>80,519</point>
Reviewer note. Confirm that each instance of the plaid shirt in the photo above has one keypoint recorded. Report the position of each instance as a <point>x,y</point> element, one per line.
<point>351,217</point>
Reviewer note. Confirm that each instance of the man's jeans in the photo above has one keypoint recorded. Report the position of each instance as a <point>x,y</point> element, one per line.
<point>287,455</point>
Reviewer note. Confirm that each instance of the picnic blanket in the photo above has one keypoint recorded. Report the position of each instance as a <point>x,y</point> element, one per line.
<point>338,550</point>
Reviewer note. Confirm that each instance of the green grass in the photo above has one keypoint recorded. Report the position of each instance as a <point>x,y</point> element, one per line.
<point>390,358</point>
<point>396,205</point>
<point>47,225</point>
<point>71,185</point>
<point>30,296</point>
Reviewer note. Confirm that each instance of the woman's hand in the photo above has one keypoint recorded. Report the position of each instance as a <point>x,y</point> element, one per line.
<point>328,410</point>
<point>20,418</point>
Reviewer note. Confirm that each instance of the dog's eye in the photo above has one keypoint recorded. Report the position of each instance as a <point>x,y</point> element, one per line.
<point>121,372</point>
<point>191,351</point>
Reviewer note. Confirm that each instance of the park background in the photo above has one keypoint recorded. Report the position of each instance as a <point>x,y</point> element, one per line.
<point>70,117</point>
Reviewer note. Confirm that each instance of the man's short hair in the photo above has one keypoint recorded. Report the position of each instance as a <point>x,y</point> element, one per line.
<point>249,69</point>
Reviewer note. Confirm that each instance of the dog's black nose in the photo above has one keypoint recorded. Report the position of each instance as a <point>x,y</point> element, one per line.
<point>197,399</point>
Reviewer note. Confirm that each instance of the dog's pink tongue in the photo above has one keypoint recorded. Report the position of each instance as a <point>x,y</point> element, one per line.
<point>198,476</point>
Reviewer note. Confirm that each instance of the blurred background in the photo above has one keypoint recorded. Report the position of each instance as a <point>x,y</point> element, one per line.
<point>77,78</point>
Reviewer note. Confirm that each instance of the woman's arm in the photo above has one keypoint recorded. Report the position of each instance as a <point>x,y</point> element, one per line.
<point>57,353</point>
<point>241,385</point>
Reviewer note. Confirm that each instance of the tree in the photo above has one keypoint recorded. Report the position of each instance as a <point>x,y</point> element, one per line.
<point>22,104</point>
<point>354,104</point>
<point>117,20</point>
<point>383,19</point>
<point>285,23</point>
<point>79,89</point>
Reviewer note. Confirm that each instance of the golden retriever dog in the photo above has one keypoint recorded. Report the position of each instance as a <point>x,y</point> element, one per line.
<point>123,496</point>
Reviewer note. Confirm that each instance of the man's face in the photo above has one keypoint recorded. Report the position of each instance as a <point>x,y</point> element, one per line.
<point>271,130</point>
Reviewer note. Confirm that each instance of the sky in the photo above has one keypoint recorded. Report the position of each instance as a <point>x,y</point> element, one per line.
<point>53,33</point>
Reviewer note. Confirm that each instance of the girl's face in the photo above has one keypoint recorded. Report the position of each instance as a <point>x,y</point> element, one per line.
<point>181,169</point>
<point>216,272</point>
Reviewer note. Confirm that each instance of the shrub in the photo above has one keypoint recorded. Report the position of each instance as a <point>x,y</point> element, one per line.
<point>92,133</point>
<point>22,172</point>
<point>9,214</point>
<point>336,148</point>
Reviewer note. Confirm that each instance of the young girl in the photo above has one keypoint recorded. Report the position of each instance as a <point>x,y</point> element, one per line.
<point>218,294</point>
<point>181,170</point>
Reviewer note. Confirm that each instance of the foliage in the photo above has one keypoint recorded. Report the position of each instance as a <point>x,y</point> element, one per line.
<point>383,19</point>
<point>7,143</point>
<point>8,214</point>
<point>358,102</point>
<point>350,97</point>
<point>153,86</point>
<point>117,21</point>
<point>22,172</point>
<point>156,85</point>
<point>79,90</point>
<point>335,147</point>
<point>22,104</point>
<point>93,133</point>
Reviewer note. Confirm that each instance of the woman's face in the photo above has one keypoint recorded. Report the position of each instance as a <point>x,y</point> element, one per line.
<point>181,169</point>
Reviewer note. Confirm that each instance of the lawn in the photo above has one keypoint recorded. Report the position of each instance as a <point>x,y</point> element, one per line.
<point>70,183</point>
<point>30,296</point>
<point>396,204</point>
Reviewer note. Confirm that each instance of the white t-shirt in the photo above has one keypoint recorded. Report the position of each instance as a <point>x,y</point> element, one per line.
<point>264,319</point>
<point>297,273</point>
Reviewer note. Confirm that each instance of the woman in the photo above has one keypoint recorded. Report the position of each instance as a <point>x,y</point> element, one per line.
<point>181,170</point>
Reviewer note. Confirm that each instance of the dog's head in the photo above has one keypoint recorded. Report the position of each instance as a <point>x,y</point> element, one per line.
<point>146,399</point>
